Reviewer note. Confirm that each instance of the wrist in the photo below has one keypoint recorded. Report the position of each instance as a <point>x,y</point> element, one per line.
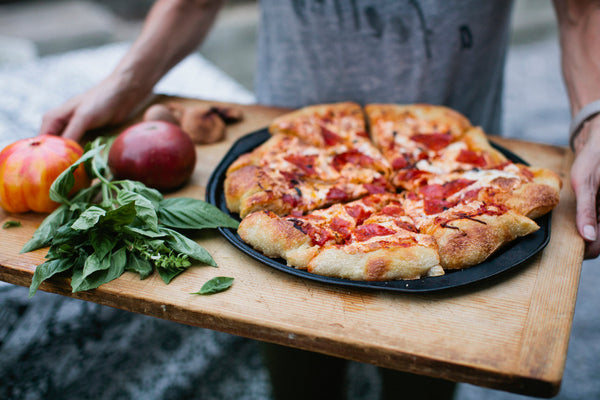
<point>588,135</point>
<point>587,114</point>
<point>131,83</point>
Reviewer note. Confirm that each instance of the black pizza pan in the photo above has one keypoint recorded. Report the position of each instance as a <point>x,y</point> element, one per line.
<point>506,259</point>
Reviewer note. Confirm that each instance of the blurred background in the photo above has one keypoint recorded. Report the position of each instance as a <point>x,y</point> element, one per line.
<point>33,31</point>
<point>37,28</point>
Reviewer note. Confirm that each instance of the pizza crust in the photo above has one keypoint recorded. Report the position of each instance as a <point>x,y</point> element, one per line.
<point>277,238</point>
<point>466,242</point>
<point>386,262</point>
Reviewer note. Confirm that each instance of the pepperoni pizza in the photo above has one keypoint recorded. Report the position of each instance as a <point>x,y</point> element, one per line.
<point>382,193</point>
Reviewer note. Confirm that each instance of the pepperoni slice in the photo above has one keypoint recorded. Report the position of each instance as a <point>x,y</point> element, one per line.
<point>358,213</point>
<point>365,232</point>
<point>436,191</point>
<point>433,141</point>
<point>290,199</point>
<point>393,210</point>
<point>318,235</point>
<point>306,163</point>
<point>471,157</point>
<point>435,206</point>
<point>291,178</point>
<point>471,194</point>
<point>354,157</point>
<point>406,226</point>
<point>411,174</point>
<point>400,162</point>
<point>374,188</point>
<point>336,194</point>
<point>433,191</point>
<point>330,137</point>
<point>526,172</point>
<point>341,226</point>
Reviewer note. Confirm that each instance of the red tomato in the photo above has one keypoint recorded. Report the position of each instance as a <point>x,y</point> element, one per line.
<point>29,166</point>
<point>157,153</point>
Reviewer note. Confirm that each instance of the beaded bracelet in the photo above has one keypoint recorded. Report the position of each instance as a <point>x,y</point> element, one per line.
<point>585,114</point>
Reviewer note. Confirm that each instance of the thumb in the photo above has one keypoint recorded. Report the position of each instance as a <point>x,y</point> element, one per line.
<point>587,221</point>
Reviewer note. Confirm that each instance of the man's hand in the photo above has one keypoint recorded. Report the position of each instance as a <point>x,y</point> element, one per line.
<point>585,179</point>
<point>172,30</point>
<point>110,102</point>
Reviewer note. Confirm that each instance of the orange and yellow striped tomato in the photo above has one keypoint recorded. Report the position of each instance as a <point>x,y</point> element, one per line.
<point>29,166</point>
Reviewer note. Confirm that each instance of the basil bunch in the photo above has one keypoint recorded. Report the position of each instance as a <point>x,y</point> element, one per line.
<point>117,226</point>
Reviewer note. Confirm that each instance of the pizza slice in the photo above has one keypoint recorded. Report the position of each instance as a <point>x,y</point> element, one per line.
<point>468,232</point>
<point>324,125</point>
<point>368,239</point>
<point>297,239</point>
<point>288,175</point>
<point>421,141</point>
<point>406,134</point>
<point>471,150</point>
<point>529,191</point>
<point>386,246</point>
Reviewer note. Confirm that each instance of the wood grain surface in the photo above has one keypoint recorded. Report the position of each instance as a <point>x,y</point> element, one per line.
<point>509,333</point>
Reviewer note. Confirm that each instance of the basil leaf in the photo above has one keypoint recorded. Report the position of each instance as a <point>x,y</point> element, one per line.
<point>144,232</point>
<point>88,218</point>
<point>216,285</point>
<point>63,184</point>
<point>44,233</point>
<point>187,213</point>
<point>181,244</point>
<point>64,235</point>
<point>145,209</point>
<point>119,217</point>
<point>102,242</point>
<point>100,165</point>
<point>93,264</point>
<point>46,270</point>
<point>138,187</point>
<point>11,224</point>
<point>139,265</point>
<point>116,268</point>
<point>168,275</point>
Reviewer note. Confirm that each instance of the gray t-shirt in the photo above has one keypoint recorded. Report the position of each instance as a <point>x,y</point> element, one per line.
<point>448,52</point>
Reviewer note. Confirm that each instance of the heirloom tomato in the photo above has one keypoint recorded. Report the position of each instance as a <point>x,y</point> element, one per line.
<point>29,166</point>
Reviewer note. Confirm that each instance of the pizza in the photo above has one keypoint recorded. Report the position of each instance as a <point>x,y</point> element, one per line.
<point>383,192</point>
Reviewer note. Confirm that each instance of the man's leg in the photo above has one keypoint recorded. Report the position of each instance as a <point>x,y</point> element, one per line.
<point>403,385</point>
<point>300,374</point>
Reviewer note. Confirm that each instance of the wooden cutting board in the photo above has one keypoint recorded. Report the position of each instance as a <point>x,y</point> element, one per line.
<point>509,333</point>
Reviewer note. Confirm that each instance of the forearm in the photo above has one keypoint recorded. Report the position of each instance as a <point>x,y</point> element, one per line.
<point>579,23</point>
<point>172,30</point>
